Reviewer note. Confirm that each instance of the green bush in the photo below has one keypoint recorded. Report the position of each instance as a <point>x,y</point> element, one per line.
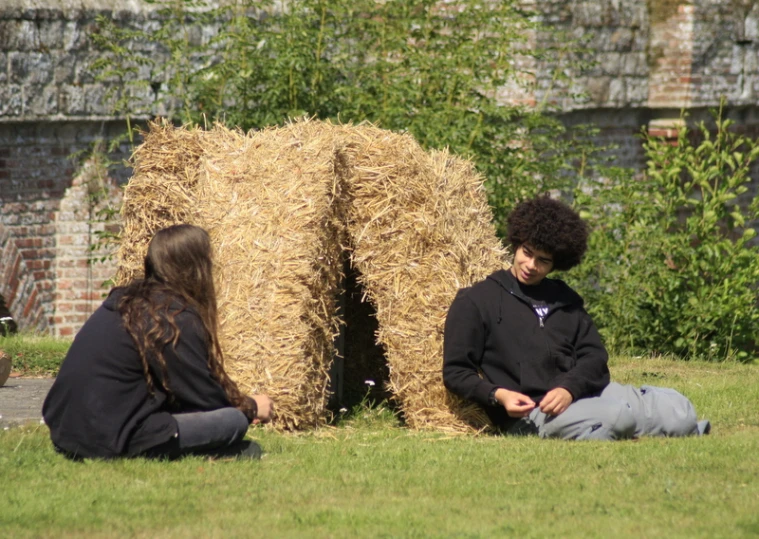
<point>431,68</point>
<point>671,267</point>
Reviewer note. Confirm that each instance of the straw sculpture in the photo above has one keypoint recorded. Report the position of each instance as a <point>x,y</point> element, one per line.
<point>285,209</point>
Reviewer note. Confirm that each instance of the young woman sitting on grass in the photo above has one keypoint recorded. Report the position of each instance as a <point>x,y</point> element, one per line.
<point>145,376</point>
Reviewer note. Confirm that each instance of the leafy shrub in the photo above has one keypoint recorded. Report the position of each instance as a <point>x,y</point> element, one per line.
<point>671,267</point>
<point>431,68</point>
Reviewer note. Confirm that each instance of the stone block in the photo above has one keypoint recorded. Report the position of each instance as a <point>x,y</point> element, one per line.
<point>639,15</point>
<point>637,91</point>
<point>617,92</point>
<point>30,68</point>
<point>83,70</point>
<point>74,36</point>
<point>71,100</point>
<point>50,35</point>
<point>64,67</point>
<point>41,100</point>
<point>634,63</point>
<point>3,68</point>
<point>11,103</point>
<point>598,89</point>
<point>96,100</point>
<point>19,35</point>
<point>621,39</point>
<point>588,14</point>
<point>610,63</point>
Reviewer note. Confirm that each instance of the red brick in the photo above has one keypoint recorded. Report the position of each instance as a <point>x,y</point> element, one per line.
<point>30,303</point>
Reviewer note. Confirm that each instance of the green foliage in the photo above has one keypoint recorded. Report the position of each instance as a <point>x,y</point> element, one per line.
<point>439,70</point>
<point>671,267</point>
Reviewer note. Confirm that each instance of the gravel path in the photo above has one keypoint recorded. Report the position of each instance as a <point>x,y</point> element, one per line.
<point>21,400</point>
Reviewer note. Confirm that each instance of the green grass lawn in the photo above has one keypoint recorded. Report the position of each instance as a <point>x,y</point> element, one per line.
<point>35,355</point>
<point>370,477</point>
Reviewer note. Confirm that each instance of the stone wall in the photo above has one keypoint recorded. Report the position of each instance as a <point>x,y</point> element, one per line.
<point>661,54</point>
<point>649,59</point>
<point>46,54</point>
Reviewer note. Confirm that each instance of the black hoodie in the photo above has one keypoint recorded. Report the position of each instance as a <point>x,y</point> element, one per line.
<point>494,339</point>
<point>99,404</point>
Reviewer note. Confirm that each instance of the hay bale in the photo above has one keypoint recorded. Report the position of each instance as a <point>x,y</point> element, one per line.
<point>267,203</point>
<point>160,193</point>
<point>282,207</point>
<point>420,229</point>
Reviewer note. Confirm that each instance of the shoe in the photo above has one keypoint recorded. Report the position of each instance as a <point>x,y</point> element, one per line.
<point>245,450</point>
<point>704,427</point>
<point>5,367</point>
<point>253,451</point>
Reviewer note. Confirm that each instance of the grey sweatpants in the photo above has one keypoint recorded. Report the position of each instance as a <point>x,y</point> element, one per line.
<point>619,412</point>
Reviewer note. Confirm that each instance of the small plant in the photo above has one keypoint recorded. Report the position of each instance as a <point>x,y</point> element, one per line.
<point>672,267</point>
<point>368,412</point>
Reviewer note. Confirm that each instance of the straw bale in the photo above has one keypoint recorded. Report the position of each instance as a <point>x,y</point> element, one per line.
<point>266,201</point>
<point>283,207</point>
<point>160,193</point>
<point>420,229</point>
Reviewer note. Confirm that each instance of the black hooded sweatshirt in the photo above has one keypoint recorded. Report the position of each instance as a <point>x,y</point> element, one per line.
<point>99,404</point>
<point>494,338</point>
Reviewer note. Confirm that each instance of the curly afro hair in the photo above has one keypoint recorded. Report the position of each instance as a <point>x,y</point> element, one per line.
<point>551,226</point>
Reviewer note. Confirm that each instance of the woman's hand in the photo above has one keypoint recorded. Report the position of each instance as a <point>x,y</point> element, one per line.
<point>265,408</point>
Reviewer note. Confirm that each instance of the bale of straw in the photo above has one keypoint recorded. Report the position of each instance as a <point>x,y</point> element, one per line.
<point>160,193</point>
<point>283,207</point>
<point>420,229</point>
<point>267,202</point>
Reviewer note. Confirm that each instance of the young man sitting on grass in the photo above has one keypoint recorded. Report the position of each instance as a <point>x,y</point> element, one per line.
<point>522,346</point>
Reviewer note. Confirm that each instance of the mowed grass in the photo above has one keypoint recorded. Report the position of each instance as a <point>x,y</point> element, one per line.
<point>370,477</point>
<point>35,355</point>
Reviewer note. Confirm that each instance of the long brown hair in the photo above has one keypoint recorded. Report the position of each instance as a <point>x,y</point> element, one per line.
<point>178,276</point>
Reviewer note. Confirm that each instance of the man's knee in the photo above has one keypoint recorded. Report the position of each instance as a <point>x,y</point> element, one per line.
<point>618,424</point>
<point>672,414</point>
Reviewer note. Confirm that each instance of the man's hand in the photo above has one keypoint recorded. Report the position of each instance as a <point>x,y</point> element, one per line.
<point>265,408</point>
<point>556,401</point>
<point>516,404</point>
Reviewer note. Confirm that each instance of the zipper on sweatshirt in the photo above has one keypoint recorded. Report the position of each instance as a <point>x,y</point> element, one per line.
<point>541,319</point>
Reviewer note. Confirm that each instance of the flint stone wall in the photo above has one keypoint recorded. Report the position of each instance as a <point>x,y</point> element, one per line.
<point>650,59</point>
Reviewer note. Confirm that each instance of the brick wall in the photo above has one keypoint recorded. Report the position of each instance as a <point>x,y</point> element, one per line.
<point>45,215</point>
<point>18,286</point>
<point>82,265</point>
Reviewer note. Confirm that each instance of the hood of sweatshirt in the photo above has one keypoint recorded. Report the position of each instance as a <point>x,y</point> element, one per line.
<point>555,292</point>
